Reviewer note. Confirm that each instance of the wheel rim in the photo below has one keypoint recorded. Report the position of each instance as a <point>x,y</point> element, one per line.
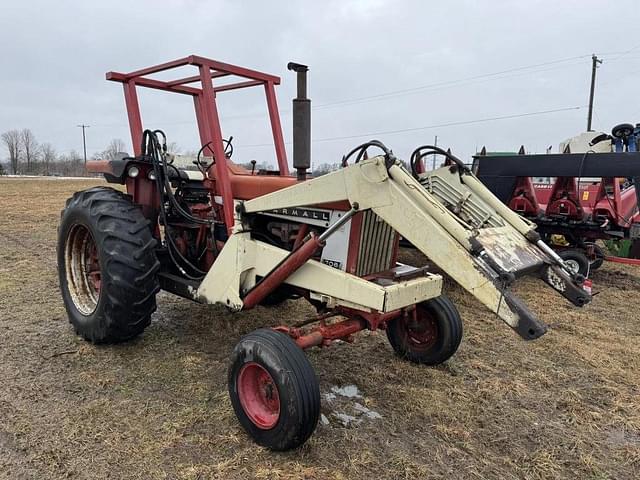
<point>573,265</point>
<point>258,394</point>
<point>421,329</point>
<point>82,267</point>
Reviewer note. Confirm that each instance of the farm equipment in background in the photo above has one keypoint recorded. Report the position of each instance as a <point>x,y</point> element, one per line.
<point>585,194</point>
<point>220,234</point>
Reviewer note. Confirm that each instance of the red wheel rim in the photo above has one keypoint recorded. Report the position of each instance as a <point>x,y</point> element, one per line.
<point>258,395</point>
<point>421,329</point>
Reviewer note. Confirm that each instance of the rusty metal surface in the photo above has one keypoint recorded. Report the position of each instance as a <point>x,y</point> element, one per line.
<point>512,252</point>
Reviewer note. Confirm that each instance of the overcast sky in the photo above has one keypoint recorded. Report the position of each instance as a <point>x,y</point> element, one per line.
<point>54,56</point>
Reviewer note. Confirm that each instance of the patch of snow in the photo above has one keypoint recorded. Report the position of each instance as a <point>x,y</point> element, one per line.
<point>343,399</point>
<point>366,412</point>
<point>349,391</point>
<point>345,419</point>
<point>329,397</point>
<point>51,177</point>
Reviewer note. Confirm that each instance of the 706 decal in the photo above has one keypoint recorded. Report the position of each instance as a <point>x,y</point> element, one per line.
<point>332,263</point>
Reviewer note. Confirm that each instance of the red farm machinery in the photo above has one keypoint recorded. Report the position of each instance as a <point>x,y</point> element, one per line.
<point>584,194</point>
<point>217,233</point>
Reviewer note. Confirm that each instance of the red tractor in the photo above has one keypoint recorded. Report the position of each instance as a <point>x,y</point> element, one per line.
<point>215,232</point>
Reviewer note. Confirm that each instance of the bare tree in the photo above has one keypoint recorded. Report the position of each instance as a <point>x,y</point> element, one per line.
<point>49,156</point>
<point>115,147</point>
<point>29,147</point>
<point>325,168</point>
<point>173,147</point>
<point>11,140</point>
<point>69,165</point>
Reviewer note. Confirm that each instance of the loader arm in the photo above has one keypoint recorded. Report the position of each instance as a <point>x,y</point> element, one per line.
<point>424,219</point>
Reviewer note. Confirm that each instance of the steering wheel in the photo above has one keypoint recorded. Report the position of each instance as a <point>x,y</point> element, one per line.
<point>228,151</point>
<point>228,146</point>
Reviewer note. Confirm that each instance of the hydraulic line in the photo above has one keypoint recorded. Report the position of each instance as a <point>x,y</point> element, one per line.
<point>156,152</point>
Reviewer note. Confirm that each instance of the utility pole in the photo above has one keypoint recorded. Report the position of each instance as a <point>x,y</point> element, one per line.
<point>435,144</point>
<point>595,61</point>
<point>84,141</point>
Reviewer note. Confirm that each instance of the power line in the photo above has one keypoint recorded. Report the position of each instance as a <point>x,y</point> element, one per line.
<point>624,53</point>
<point>499,75</point>
<point>440,125</point>
<point>451,124</point>
<point>523,70</point>
<point>526,69</point>
<point>449,82</point>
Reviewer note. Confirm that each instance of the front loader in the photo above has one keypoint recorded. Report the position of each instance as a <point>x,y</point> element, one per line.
<point>217,233</point>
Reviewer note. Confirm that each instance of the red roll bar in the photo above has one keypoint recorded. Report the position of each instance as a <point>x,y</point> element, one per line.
<point>206,110</point>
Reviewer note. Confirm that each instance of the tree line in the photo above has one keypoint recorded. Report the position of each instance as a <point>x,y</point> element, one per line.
<point>26,156</point>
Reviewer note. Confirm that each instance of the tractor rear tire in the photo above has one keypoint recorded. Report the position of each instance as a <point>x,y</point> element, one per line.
<point>429,338</point>
<point>274,390</point>
<point>106,265</point>
<point>577,260</point>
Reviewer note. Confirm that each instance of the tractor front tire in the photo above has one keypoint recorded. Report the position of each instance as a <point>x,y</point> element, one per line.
<point>274,390</point>
<point>107,265</point>
<point>430,335</point>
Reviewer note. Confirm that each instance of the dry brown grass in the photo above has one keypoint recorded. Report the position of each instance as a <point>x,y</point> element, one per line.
<point>565,406</point>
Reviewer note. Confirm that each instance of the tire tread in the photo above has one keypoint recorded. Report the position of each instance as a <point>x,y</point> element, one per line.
<point>128,261</point>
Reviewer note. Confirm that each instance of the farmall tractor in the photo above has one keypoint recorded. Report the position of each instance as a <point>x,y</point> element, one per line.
<point>223,234</point>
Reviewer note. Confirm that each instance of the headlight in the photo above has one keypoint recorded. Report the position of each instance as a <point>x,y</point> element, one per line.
<point>133,172</point>
<point>151,175</point>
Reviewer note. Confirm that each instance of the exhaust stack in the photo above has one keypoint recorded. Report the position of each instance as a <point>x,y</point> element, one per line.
<point>301,122</point>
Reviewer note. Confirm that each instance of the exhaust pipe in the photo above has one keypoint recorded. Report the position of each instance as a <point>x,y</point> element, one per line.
<point>301,122</point>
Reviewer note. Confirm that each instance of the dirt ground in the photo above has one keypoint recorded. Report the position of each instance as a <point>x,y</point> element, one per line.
<point>564,406</point>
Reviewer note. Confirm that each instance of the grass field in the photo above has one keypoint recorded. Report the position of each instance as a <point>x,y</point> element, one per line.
<point>564,406</point>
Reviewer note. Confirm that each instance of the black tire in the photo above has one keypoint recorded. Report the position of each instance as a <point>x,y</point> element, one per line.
<point>101,228</point>
<point>622,130</point>
<point>598,257</point>
<point>577,260</point>
<point>430,338</point>
<point>296,388</point>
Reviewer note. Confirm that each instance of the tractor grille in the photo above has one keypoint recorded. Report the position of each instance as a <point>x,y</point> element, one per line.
<point>462,202</point>
<point>377,242</point>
